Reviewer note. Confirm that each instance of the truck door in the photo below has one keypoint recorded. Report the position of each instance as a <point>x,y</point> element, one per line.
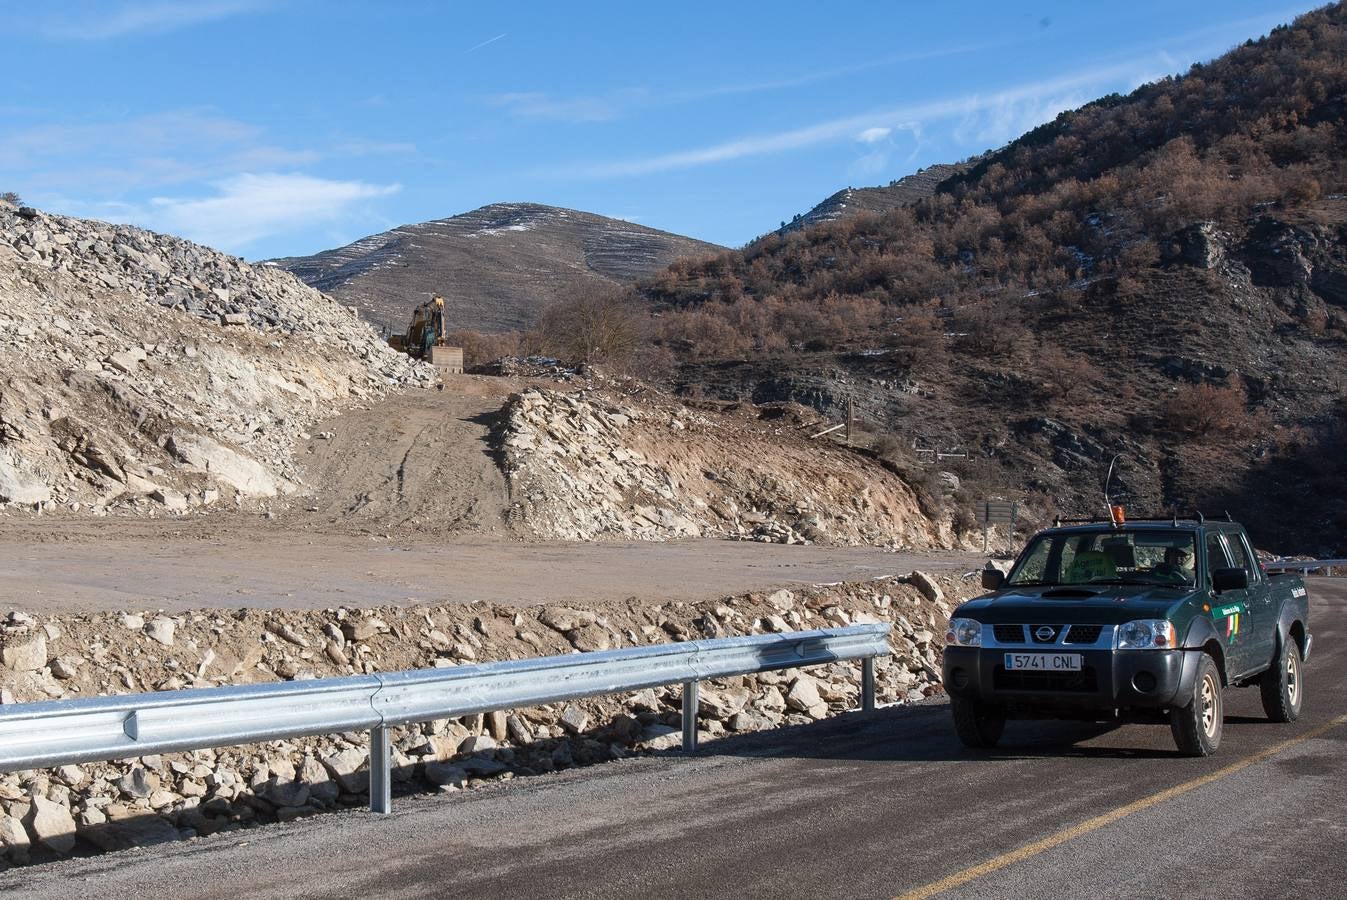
<point>1262,615</point>
<point>1229,610</point>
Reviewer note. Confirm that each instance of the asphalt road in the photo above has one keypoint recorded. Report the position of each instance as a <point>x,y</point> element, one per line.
<point>874,805</point>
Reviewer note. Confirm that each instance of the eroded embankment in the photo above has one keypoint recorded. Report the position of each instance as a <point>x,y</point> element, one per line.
<point>104,806</point>
<point>626,461</point>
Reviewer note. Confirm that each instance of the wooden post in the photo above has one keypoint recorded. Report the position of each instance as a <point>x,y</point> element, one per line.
<point>851,417</point>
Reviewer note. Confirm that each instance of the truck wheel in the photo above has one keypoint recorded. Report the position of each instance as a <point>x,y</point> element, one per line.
<point>1197,726</point>
<point>978,725</point>
<point>1283,685</point>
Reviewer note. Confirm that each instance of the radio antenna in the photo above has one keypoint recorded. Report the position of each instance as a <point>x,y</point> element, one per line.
<point>1113,511</point>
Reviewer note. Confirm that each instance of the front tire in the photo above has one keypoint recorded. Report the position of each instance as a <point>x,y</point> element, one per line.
<point>1197,726</point>
<point>979,725</point>
<point>1283,685</point>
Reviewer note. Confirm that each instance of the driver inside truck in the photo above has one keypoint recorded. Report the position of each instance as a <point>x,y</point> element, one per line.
<point>1178,563</point>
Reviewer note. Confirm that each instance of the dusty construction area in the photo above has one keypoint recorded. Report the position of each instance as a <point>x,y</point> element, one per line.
<point>409,500</point>
<point>225,478</point>
<point>423,532</point>
<point>157,565</point>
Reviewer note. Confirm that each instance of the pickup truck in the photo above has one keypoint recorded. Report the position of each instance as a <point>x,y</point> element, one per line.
<point>1140,621</point>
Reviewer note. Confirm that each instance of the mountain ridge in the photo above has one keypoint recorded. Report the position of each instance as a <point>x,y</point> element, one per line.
<point>900,192</point>
<point>496,266</point>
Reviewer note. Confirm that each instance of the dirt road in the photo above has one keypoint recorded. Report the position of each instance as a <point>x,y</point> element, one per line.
<point>275,567</point>
<point>417,463</point>
<point>403,503</point>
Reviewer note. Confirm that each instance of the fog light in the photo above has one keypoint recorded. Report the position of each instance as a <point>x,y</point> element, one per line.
<point>958,678</point>
<point>1144,682</point>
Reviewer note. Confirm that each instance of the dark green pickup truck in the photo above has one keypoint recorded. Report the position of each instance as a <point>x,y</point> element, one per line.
<point>1144,621</point>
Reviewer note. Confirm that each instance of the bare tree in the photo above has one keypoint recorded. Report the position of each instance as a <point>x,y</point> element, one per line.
<point>11,197</point>
<point>1065,375</point>
<point>593,322</point>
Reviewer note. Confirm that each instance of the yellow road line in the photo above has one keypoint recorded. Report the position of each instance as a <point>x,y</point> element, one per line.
<point>972,873</point>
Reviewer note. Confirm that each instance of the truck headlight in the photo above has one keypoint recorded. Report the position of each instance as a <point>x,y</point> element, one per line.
<point>964,633</point>
<point>1146,634</point>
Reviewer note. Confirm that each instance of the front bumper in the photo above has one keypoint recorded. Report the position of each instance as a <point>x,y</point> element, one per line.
<point>1108,679</point>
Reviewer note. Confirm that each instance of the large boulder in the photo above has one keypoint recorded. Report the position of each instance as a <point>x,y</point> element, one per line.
<point>804,696</point>
<point>245,474</point>
<point>926,586</point>
<point>346,769</point>
<point>1199,245</point>
<point>52,825</point>
<point>25,655</point>
<point>14,839</point>
<point>17,486</point>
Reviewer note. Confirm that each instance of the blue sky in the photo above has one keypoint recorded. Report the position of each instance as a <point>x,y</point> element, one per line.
<point>282,127</point>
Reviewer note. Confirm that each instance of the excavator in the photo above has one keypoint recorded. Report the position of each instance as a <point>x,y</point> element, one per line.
<point>425,337</point>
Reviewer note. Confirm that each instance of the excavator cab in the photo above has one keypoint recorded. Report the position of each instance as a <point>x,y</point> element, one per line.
<point>425,338</point>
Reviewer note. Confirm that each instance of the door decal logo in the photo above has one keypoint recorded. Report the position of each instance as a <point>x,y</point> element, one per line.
<point>1231,614</point>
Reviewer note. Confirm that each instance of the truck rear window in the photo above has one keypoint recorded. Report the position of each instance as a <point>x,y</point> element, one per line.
<point>1123,556</point>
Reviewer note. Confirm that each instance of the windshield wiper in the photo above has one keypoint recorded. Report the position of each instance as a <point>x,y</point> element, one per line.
<point>1032,583</point>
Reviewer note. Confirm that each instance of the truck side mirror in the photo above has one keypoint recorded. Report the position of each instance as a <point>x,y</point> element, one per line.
<point>1223,580</point>
<point>992,579</point>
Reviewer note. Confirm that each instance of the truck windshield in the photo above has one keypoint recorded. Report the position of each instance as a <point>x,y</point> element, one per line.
<point>1122,556</point>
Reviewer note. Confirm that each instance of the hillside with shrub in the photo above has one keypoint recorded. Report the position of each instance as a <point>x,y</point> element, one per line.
<point>1161,275</point>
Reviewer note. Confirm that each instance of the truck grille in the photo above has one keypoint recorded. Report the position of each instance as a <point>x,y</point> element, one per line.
<point>1082,682</point>
<point>1028,634</point>
<point>1083,634</point>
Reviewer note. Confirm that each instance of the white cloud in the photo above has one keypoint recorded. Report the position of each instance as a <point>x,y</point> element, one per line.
<point>539,105</point>
<point>121,158</point>
<point>874,135</point>
<point>248,207</point>
<point>1042,95</point>
<point>109,21</point>
<point>625,101</point>
<point>870,164</point>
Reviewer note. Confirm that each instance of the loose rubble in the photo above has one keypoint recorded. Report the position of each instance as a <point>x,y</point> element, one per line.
<point>144,373</point>
<point>594,464</point>
<point>107,806</point>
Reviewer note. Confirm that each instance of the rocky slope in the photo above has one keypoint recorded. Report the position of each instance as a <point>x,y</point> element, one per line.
<point>1228,306</point>
<point>604,463</point>
<point>107,806</point>
<point>496,266</point>
<point>141,371</point>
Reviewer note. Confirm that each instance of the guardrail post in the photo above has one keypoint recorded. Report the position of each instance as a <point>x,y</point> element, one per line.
<point>380,771</point>
<point>689,716</point>
<point>868,684</point>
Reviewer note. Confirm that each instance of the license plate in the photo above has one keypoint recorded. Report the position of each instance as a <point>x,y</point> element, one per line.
<point>1044,662</point>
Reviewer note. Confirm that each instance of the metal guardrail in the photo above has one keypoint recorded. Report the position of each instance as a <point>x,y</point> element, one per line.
<point>62,732</point>
<point>1326,566</point>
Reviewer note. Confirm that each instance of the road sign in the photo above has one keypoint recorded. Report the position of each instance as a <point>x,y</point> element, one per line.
<point>996,512</point>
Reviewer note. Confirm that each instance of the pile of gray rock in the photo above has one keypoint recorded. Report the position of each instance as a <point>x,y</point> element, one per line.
<point>575,479</point>
<point>594,464</point>
<point>146,373</point>
<point>45,814</point>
